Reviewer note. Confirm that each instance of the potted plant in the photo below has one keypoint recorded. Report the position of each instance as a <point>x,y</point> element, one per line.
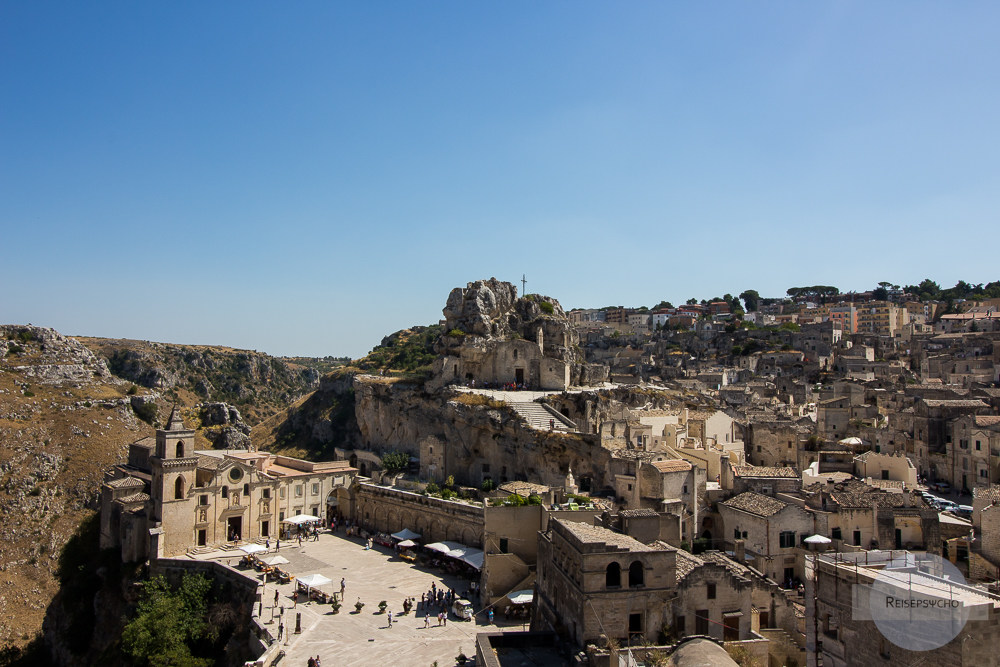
<point>335,606</point>
<point>358,606</point>
<point>381,606</point>
<point>461,658</point>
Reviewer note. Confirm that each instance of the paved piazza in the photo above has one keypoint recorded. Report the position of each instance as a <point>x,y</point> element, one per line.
<point>348,638</point>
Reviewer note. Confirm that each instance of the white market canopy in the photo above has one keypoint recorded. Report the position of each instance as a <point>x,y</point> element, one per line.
<point>252,548</point>
<point>406,534</point>
<point>468,555</point>
<point>275,560</point>
<point>853,440</point>
<point>299,519</point>
<point>406,544</point>
<point>314,580</point>
<point>473,557</point>
<point>526,596</point>
<point>445,547</point>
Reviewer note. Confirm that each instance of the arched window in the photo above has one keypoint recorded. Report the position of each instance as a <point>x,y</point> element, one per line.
<point>180,449</point>
<point>225,492</point>
<point>178,488</point>
<point>636,574</point>
<point>246,490</point>
<point>613,575</point>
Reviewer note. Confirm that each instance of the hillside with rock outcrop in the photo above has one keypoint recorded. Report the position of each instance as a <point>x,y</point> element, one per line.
<point>254,382</point>
<point>65,416</point>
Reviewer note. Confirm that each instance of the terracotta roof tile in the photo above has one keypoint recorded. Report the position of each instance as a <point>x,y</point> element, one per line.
<point>126,483</point>
<point>755,503</point>
<point>764,471</point>
<point>672,465</point>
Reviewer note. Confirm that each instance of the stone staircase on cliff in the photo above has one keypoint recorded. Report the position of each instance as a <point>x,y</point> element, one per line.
<point>543,417</point>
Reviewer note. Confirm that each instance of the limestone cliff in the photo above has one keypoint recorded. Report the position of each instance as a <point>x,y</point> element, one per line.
<point>251,380</point>
<point>64,418</point>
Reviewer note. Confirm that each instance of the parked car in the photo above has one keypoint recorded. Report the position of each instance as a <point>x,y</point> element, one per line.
<point>947,506</point>
<point>941,487</point>
<point>964,511</point>
<point>462,609</point>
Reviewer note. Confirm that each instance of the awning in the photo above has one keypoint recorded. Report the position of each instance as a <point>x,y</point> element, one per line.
<point>525,596</point>
<point>406,544</point>
<point>406,534</point>
<point>445,547</point>
<point>252,548</point>
<point>468,555</point>
<point>314,580</point>
<point>474,558</point>
<point>274,560</point>
<point>299,519</point>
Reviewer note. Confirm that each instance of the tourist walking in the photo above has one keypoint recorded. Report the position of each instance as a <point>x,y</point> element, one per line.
<point>275,598</point>
<point>427,620</point>
<point>490,616</point>
<point>343,586</point>
<point>390,619</point>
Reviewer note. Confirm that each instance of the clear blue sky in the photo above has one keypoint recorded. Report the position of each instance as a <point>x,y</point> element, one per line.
<point>304,178</point>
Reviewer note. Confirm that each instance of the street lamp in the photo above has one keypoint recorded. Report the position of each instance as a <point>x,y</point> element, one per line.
<point>815,543</point>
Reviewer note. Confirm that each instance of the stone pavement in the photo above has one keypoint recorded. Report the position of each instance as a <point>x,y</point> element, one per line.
<point>349,638</point>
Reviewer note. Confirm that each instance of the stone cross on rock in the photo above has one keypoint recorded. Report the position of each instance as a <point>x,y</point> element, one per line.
<point>524,282</point>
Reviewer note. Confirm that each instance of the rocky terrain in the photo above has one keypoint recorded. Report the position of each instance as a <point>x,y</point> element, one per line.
<point>254,382</point>
<point>66,415</point>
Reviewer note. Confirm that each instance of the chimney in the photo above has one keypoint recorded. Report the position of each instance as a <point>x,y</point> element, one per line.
<point>740,552</point>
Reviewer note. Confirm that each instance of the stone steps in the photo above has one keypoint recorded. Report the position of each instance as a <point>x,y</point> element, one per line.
<point>539,416</point>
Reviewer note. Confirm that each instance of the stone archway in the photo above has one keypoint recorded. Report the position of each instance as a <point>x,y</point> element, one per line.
<point>469,538</point>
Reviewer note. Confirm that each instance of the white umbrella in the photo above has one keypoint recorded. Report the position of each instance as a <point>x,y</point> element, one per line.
<point>853,440</point>
<point>525,596</point>
<point>252,548</point>
<point>817,539</point>
<point>314,580</point>
<point>275,560</point>
<point>406,544</point>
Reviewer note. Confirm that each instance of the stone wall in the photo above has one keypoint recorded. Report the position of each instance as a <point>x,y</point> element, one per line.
<point>390,510</point>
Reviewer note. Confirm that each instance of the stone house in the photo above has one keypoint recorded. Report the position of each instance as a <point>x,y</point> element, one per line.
<point>592,581</point>
<point>726,600</point>
<point>767,481</point>
<point>897,467</point>
<point>972,451</point>
<point>770,528</point>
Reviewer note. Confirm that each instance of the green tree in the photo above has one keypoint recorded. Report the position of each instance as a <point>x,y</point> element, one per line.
<point>395,462</point>
<point>751,299</point>
<point>662,305</point>
<point>168,622</point>
<point>692,301</point>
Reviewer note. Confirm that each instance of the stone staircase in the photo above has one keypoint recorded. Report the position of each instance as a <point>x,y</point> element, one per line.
<point>539,416</point>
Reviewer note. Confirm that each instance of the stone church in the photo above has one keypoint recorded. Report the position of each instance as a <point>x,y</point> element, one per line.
<point>169,498</point>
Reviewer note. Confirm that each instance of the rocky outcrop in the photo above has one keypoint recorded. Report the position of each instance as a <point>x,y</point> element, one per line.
<point>224,426</point>
<point>259,383</point>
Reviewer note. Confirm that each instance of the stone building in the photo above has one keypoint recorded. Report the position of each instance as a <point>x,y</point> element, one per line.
<point>847,635</point>
<point>495,338</point>
<point>592,581</point>
<point>771,529</point>
<point>169,498</point>
<point>728,601</point>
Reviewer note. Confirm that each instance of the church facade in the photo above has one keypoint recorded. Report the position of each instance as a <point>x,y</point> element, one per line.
<point>169,498</point>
